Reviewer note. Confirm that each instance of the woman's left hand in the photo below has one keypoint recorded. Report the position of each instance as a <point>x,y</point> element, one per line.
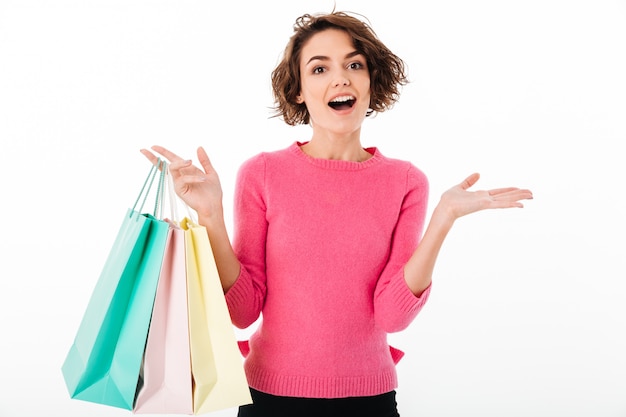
<point>458,201</point>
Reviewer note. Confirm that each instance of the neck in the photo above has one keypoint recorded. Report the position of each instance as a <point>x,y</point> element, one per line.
<point>342,148</point>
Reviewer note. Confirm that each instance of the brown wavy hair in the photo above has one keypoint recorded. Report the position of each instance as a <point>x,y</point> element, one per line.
<point>387,71</point>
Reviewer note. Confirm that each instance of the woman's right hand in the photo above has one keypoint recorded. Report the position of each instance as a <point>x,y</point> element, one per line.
<point>199,188</point>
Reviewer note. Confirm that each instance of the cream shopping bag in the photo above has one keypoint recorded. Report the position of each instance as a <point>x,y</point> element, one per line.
<point>216,361</point>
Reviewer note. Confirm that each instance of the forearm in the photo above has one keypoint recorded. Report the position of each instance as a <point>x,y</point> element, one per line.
<point>228,266</point>
<point>418,271</point>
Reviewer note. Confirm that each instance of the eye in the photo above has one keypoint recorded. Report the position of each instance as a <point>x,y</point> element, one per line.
<point>356,65</point>
<point>318,70</point>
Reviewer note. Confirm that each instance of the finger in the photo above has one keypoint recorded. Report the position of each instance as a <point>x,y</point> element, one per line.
<point>498,191</point>
<point>179,164</point>
<point>204,160</point>
<point>151,157</point>
<point>176,162</point>
<point>506,204</point>
<point>169,155</point>
<point>192,179</point>
<point>469,181</point>
<point>513,194</point>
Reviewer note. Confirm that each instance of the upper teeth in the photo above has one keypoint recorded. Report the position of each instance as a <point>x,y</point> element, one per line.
<point>342,98</point>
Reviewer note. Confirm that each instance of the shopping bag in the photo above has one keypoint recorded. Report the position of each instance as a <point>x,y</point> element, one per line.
<point>166,383</point>
<point>216,362</point>
<point>103,363</point>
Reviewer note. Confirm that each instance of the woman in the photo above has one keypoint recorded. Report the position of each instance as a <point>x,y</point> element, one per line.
<point>327,232</point>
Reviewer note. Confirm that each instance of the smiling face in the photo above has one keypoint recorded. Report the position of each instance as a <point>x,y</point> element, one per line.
<point>335,83</point>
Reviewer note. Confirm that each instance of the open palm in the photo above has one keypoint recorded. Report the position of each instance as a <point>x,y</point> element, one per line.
<point>459,201</point>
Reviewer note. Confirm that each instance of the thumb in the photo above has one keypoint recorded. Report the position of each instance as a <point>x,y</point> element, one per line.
<point>469,181</point>
<point>204,160</point>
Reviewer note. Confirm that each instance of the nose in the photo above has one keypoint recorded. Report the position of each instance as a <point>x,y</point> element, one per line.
<point>340,80</point>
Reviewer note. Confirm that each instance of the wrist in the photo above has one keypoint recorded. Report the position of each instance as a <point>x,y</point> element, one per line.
<point>211,217</point>
<point>443,216</point>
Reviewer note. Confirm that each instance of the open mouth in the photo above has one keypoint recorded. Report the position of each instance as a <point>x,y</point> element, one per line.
<point>342,102</point>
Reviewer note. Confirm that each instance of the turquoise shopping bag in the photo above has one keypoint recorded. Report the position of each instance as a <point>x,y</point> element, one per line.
<point>103,364</point>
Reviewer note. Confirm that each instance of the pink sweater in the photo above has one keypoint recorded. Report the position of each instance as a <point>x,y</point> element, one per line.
<point>322,245</point>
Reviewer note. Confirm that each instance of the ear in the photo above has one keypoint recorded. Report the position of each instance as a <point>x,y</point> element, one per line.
<point>299,99</point>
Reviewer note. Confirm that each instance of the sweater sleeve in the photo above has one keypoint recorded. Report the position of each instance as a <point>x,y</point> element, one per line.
<point>246,297</point>
<point>395,306</point>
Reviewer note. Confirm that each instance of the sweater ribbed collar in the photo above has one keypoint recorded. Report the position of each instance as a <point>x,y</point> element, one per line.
<point>335,163</point>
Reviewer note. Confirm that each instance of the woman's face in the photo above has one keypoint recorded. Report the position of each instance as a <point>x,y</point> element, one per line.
<point>335,83</point>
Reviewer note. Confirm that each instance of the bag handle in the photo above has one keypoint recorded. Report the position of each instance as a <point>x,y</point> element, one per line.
<point>174,200</point>
<point>165,186</point>
<point>147,185</point>
<point>191,214</point>
<point>172,197</point>
<point>160,194</point>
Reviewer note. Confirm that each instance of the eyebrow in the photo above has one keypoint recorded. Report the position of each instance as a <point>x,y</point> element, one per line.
<point>325,58</point>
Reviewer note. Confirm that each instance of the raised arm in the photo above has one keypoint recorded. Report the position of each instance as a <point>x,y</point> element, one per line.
<point>456,202</point>
<point>201,190</point>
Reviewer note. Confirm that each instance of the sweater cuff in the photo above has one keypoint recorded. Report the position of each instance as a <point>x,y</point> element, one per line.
<point>238,293</point>
<point>407,301</point>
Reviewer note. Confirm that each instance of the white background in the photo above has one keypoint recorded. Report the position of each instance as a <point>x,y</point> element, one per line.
<point>528,311</point>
